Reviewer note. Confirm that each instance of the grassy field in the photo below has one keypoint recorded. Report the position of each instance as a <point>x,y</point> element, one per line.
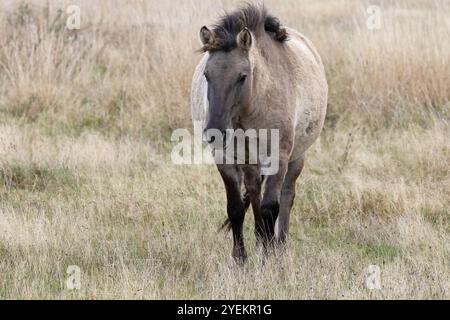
<point>86,178</point>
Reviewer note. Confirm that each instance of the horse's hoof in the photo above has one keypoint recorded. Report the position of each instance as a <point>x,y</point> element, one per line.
<point>240,258</point>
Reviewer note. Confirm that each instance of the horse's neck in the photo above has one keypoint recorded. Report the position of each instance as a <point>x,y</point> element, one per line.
<point>261,74</point>
<point>261,82</point>
<point>270,88</point>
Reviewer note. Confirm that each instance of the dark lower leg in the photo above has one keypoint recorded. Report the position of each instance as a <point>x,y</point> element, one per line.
<point>271,202</point>
<point>235,208</point>
<point>252,180</point>
<point>236,216</point>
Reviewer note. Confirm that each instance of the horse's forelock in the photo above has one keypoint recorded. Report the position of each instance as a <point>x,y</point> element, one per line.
<point>255,18</point>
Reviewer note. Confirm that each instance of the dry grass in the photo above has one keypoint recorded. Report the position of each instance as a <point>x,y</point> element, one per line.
<point>86,177</point>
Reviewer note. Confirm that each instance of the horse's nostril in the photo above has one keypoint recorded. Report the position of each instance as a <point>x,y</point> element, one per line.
<point>209,136</point>
<point>215,136</point>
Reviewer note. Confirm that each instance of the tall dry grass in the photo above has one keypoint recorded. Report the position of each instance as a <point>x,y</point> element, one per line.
<point>86,178</point>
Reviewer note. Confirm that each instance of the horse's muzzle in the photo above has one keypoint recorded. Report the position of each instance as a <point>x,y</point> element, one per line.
<point>217,138</point>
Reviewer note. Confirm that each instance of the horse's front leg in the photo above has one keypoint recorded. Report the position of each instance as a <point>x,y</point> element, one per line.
<point>252,180</point>
<point>235,208</point>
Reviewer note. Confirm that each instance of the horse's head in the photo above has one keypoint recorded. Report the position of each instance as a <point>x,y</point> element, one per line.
<point>229,74</point>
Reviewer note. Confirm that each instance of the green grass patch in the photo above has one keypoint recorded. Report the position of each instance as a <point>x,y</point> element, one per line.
<point>340,238</point>
<point>379,252</point>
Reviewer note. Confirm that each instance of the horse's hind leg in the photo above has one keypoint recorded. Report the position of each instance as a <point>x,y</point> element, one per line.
<point>287,198</point>
<point>270,204</point>
<point>235,207</point>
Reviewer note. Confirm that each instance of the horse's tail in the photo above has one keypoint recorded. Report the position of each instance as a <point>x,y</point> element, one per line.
<point>226,225</point>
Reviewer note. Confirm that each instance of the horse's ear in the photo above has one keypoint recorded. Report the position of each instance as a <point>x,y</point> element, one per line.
<point>206,36</point>
<point>245,39</point>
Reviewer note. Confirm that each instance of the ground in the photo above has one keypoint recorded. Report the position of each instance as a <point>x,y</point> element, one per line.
<point>86,177</point>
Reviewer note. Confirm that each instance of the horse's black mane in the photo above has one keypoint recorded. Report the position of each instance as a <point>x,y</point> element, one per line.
<point>255,18</point>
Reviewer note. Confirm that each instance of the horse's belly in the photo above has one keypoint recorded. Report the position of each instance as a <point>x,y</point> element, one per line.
<point>310,113</point>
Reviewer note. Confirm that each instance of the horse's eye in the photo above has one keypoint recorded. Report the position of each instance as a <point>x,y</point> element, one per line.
<point>206,76</point>
<point>242,78</point>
